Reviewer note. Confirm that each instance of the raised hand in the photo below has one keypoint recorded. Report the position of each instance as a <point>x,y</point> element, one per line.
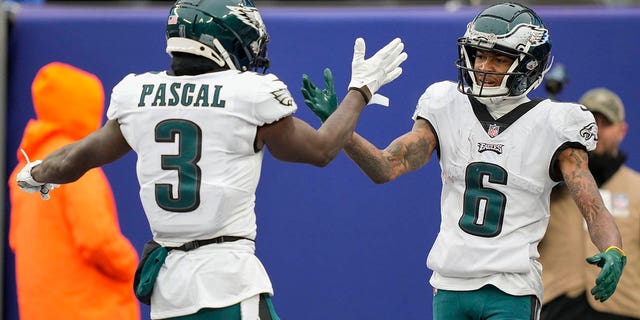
<point>367,76</point>
<point>323,102</point>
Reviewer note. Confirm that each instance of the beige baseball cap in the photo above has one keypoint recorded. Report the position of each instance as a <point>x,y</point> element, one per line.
<point>604,101</point>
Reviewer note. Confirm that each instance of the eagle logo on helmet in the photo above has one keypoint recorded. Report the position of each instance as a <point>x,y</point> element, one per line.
<point>482,39</point>
<point>251,17</point>
<point>538,35</point>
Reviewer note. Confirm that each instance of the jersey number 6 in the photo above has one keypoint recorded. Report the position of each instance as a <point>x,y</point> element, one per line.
<point>483,208</point>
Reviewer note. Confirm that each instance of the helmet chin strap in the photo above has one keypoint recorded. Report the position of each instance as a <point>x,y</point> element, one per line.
<point>224,54</point>
<point>220,56</point>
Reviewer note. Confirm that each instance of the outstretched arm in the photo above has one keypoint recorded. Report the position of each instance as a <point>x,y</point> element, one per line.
<point>575,170</point>
<point>291,139</point>
<point>406,153</point>
<point>602,227</point>
<point>70,162</point>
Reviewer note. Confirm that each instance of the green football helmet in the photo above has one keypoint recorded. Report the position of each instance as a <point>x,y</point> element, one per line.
<point>509,29</point>
<point>229,32</point>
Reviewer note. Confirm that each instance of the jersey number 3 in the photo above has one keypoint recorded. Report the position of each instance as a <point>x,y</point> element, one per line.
<point>483,208</point>
<point>185,162</point>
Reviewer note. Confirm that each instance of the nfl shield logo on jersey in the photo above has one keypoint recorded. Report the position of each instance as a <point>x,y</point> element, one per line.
<point>493,130</point>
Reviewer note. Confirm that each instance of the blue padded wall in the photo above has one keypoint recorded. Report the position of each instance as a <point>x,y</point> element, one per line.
<point>336,245</point>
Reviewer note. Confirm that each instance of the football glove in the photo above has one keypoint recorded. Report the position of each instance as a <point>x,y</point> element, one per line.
<point>367,76</point>
<point>612,262</point>
<point>323,102</point>
<point>28,184</point>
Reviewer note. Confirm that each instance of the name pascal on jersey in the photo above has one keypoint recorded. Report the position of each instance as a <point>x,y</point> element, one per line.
<point>179,94</point>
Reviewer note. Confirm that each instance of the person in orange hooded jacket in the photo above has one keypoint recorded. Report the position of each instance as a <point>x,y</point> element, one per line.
<point>72,261</point>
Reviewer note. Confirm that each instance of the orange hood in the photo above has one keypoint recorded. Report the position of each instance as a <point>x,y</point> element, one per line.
<point>67,101</point>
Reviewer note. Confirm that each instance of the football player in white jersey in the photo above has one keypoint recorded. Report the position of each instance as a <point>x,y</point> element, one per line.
<point>500,154</point>
<point>199,132</point>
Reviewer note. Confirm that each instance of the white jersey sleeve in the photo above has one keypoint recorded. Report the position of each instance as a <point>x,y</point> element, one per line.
<point>118,97</point>
<point>435,96</point>
<point>575,124</point>
<point>272,101</point>
<point>434,99</point>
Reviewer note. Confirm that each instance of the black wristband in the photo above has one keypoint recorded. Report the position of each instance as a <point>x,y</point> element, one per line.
<point>363,93</point>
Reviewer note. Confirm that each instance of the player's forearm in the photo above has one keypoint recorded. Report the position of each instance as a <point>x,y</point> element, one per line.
<point>62,166</point>
<point>604,232</point>
<point>339,127</point>
<point>602,227</point>
<point>369,158</point>
<point>70,162</point>
<point>584,191</point>
<point>406,153</point>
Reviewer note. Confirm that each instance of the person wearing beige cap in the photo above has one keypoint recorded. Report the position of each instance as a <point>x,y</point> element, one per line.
<point>606,103</point>
<point>567,279</point>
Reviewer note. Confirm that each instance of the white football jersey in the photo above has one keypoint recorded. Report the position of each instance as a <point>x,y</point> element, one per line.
<point>496,179</point>
<point>198,171</point>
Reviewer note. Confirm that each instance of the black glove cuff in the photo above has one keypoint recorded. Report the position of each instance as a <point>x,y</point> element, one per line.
<point>366,95</point>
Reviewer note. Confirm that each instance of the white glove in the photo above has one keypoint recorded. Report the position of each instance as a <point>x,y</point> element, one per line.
<point>28,184</point>
<point>378,70</point>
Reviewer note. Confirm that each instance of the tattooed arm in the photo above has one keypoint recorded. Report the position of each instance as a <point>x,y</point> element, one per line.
<point>584,191</point>
<point>406,153</point>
